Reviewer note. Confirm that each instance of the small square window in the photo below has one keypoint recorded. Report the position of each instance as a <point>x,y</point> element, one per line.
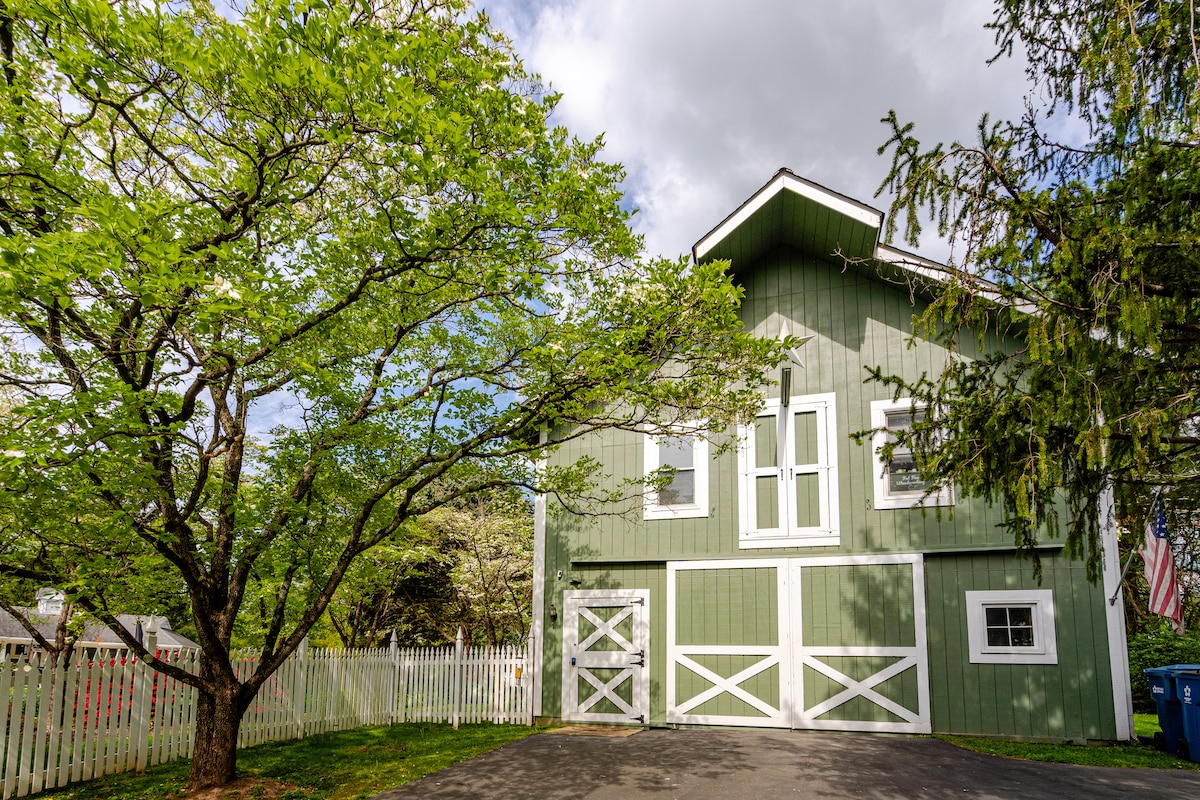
<point>1011,627</point>
<point>687,493</point>
<point>898,483</point>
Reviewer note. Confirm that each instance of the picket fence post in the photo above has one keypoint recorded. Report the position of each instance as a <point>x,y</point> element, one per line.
<point>396,711</point>
<point>143,678</point>
<point>456,681</point>
<point>300,688</point>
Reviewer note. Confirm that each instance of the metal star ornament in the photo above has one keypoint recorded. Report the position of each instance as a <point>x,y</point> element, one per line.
<point>794,352</point>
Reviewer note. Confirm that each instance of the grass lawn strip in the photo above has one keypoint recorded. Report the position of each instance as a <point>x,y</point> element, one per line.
<point>359,764</point>
<point>1134,754</point>
<point>339,766</point>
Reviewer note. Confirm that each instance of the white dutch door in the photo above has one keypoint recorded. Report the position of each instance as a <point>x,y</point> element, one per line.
<point>606,647</point>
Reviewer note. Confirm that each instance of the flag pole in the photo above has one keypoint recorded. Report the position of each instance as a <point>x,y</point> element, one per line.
<point>1112,601</point>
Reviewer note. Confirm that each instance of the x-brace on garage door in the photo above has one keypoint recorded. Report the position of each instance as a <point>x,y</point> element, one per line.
<point>833,643</point>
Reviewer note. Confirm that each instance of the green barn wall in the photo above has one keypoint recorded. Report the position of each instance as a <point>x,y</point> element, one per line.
<point>1068,700</point>
<point>856,321</point>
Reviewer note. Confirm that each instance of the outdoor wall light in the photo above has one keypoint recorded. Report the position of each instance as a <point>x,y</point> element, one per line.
<point>553,613</point>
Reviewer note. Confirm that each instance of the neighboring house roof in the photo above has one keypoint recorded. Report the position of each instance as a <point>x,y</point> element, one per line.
<point>13,631</point>
<point>95,634</point>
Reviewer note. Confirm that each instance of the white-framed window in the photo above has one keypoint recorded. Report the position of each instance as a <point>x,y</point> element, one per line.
<point>1011,627</point>
<point>787,462</point>
<point>897,482</point>
<point>687,493</point>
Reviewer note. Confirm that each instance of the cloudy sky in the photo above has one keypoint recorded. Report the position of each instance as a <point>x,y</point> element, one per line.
<point>703,100</point>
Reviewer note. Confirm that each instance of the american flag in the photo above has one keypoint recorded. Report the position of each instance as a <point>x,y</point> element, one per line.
<point>1160,569</point>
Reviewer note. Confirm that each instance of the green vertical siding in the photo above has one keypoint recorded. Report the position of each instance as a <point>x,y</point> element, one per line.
<point>1068,700</point>
<point>727,606</point>
<point>858,606</point>
<point>856,322</point>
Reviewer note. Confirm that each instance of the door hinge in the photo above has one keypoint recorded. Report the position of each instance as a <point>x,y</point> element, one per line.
<point>640,655</point>
<point>640,718</point>
<point>638,601</point>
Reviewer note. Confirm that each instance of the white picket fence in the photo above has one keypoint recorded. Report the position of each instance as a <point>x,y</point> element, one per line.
<point>111,713</point>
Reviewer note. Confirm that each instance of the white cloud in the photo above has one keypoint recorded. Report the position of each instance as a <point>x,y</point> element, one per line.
<point>702,101</point>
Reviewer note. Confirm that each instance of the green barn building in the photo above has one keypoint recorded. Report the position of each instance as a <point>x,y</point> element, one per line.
<point>794,581</point>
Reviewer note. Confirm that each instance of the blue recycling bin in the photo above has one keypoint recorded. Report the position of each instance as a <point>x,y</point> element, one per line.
<point>1170,709</point>
<point>1187,688</point>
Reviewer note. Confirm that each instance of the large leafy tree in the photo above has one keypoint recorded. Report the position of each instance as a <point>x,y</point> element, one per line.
<point>273,286</point>
<point>1076,230</point>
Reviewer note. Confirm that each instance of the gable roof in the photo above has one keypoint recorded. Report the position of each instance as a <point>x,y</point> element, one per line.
<point>790,210</point>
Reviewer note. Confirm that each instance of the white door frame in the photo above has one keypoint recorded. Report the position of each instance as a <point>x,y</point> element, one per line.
<point>632,659</point>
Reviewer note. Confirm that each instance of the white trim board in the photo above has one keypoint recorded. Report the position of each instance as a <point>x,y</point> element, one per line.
<point>793,183</point>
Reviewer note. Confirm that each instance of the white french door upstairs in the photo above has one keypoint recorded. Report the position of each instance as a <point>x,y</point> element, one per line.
<point>787,494</point>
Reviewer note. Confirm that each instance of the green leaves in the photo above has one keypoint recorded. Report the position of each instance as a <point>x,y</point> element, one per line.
<point>275,286</point>
<point>1081,253</point>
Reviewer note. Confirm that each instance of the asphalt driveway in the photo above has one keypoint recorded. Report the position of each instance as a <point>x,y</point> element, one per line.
<point>704,764</point>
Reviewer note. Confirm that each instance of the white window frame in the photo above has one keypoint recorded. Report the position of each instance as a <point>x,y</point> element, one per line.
<point>884,498</point>
<point>651,508</point>
<point>1045,643</point>
<point>827,531</point>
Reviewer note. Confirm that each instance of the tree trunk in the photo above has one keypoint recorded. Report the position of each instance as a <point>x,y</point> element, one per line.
<point>218,718</point>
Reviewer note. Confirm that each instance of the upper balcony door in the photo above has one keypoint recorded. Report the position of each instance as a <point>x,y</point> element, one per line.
<point>788,492</point>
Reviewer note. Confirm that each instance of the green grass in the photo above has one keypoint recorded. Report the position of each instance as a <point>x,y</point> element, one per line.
<point>339,766</point>
<point>1116,755</point>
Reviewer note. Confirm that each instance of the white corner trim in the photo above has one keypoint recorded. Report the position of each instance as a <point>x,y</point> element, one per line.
<point>537,624</point>
<point>1114,618</point>
<point>1045,648</point>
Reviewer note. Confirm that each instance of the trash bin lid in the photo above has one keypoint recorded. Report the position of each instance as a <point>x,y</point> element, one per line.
<point>1183,669</point>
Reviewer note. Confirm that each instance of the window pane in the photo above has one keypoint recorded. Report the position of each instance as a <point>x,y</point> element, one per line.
<point>766,490</point>
<point>1009,626</point>
<point>766,444</point>
<point>1022,637</point>
<point>902,475</point>
<point>898,421</point>
<point>998,637</point>
<point>808,503</point>
<point>1022,617</point>
<point>682,489</point>
<point>676,452</point>
<point>804,428</point>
